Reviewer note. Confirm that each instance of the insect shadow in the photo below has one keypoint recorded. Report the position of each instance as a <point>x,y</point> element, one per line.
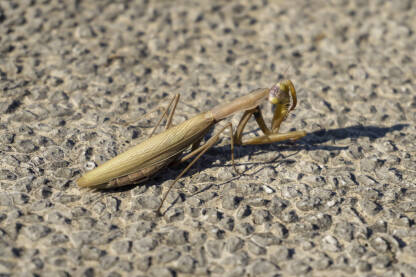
<point>311,142</point>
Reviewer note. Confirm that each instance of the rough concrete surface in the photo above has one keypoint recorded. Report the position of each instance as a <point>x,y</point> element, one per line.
<point>77,78</point>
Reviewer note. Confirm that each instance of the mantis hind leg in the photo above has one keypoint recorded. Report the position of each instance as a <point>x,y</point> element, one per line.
<point>169,116</point>
<point>174,101</point>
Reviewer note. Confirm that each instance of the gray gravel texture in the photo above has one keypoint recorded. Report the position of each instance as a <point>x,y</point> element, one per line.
<point>77,78</point>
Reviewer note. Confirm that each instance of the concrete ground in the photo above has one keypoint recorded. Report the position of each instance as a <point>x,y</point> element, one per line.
<point>77,77</point>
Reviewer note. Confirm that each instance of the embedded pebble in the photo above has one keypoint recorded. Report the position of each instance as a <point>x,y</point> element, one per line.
<point>230,202</point>
<point>262,267</point>
<point>245,229</point>
<point>261,216</point>
<point>330,243</point>
<point>265,239</point>
<point>233,244</point>
<point>255,249</point>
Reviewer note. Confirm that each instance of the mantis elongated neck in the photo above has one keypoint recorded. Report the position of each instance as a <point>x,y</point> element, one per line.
<point>247,102</point>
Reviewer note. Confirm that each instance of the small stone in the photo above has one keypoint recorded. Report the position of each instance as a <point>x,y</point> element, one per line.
<point>366,181</point>
<point>321,221</point>
<point>308,204</point>
<point>345,230</point>
<point>216,269</point>
<point>143,263</point>
<point>281,254</point>
<point>140,229</point>
<point>322,262</point>
<point>380,244</point>
<point>89,272</point>
<point>307,245</point>
<point>7,138</point>
<point>192,211</point>
<point>161,272</point>
<point>7,175</point>
<point>278,205</point>
<point>113,204</point>
<point>35,232</point>
<point>245,228</point>
<point>167,255</point>
<point>177,237</point>
<point>86,223</point>
<point>363,266</point>
<point>343,263</point>
<point>255,249</point>
<point>237,272</point>
<point>198,238</point>
<point>92,253</point>
<point>56,217</point>
<point>114,274</point>
<point>380,226</point>
<point>265,239</point>
<point>262,267</point>
<point>126,266</point>
<point>277,229</point>
<point>176,214</point>
<point>371,208</point>
<point>381,262</point>
<point>230,202</point>
<point>310,168</point>
<point>330,243</point>
<point>5,199</point>
<point>145,245</point>
<point>257,202</point>
<point>108,262</point>
<point>370,164</point>
<point>240,258</point>
<point>122,247</point>
<point>85,32</point>
<point>243,212</point>
<point>355,152</point>
<point>299,268</point>
<point>267,189</point>
<point>289,216</point>
<point>212,215</point>
<point>214,248</point>
<point>186,264</point>
<point>408,207</point>
<point>227,223</point>
<point>261,216</point>
<point>57,238</point>
<point>233,244</point>
<point>147,202</point>
<point>26,146</point>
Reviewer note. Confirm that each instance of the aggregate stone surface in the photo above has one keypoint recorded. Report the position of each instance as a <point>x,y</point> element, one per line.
<point>79,81</point>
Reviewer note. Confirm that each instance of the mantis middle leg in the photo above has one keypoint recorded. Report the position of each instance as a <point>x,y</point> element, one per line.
<point>199,152</point>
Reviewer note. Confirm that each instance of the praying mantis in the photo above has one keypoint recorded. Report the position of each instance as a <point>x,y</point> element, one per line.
<point>144,160</point>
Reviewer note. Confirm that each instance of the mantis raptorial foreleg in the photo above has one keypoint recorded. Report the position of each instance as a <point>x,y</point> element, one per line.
<point>270,136</point>
<point>281,94</point>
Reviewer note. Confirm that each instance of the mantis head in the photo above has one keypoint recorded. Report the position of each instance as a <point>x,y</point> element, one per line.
<point>279,93</point>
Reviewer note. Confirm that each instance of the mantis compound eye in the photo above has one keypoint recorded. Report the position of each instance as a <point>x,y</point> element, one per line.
<point>273,94</point>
